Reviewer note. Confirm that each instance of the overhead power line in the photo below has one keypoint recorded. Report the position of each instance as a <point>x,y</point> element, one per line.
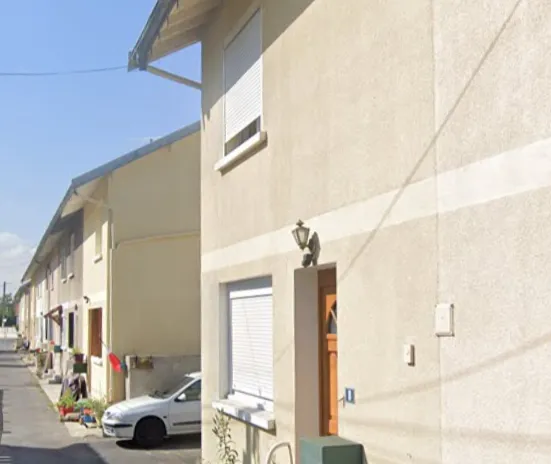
<point>61,73</point>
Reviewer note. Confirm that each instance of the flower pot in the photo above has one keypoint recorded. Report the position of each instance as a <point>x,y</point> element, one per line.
<point>64,410</point>
<point>79,358</point>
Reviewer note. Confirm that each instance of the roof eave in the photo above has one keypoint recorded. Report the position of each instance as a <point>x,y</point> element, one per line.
<point>138,57</point>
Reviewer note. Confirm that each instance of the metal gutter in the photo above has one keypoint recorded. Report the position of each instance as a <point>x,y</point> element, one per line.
<point>19,291</point>
<point>137,58</point>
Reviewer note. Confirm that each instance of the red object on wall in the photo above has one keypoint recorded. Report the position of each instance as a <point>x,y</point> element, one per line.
<point>115,362</point>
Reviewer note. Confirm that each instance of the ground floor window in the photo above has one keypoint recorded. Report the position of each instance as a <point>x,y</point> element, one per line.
<point>71,330</point>
<point>251,340</point>
<point>94,334</point>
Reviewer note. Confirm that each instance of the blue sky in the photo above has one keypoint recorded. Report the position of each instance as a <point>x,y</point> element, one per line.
<point>55,128</point>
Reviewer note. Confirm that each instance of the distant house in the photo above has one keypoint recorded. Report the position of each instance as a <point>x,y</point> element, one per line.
<point>128,232</point>
<point>54,277</point>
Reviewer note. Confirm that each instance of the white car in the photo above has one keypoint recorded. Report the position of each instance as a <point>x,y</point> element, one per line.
<point>149,419</point>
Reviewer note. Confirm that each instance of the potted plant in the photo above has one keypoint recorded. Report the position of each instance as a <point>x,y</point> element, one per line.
<point>98,405</point>
<point>41,359</point>
<point>85,406</point>
<point>66,403</point>
<point>78,355</point>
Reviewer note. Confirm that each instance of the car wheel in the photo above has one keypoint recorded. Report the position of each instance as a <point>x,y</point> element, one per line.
<point>150,432</point>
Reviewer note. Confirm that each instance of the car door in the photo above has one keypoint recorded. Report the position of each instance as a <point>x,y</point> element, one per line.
<point>185,410</point>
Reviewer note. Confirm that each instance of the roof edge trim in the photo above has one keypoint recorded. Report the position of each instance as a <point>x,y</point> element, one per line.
<point>138,57</point>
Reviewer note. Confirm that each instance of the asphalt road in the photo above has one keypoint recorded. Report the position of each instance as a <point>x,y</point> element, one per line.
<point>30,431</point>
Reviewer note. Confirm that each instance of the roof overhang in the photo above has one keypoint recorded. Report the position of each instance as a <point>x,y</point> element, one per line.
<point>22,288</point>
<point>172,26</point>
<point>72,203</point>
<point>54,311</point>
<point>55,314</point>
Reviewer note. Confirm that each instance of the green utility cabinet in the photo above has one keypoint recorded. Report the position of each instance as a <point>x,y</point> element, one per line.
<point>330,450</point>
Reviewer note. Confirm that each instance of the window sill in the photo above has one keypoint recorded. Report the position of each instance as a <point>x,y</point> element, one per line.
<point>98,258</point>
<point>71,276</point>
<point>96,361</point>
<point>241,151</point>
<point>251,415</point>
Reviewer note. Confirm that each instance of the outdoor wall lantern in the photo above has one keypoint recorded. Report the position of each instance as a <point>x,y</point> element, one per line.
<point>301,234</point>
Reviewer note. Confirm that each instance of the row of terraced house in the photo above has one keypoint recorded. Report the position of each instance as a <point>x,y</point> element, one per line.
<point>394,157</point>
<point>117,270</point>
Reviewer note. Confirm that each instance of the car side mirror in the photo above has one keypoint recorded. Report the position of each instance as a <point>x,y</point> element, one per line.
<point>182,398</point>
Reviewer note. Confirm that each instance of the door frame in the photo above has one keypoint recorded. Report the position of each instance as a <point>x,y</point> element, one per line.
<point>327,279</point>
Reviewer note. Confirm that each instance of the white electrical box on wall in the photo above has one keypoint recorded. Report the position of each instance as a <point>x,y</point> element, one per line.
<point>409,354</point>
<point>444,320</point>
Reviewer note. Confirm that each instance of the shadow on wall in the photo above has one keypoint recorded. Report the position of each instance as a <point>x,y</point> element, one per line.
<point>281,18</point>
<point>75,453</point>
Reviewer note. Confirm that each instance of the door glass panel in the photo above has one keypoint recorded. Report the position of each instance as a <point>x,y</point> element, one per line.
<point>332,326</point>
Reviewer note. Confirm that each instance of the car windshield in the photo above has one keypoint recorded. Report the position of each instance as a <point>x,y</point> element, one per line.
<point>171,391</point>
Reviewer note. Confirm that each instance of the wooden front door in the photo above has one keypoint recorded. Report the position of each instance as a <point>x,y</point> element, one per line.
<point>328,352</point>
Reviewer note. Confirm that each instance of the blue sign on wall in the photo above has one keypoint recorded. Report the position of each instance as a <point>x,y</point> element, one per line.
<point>350,395</point>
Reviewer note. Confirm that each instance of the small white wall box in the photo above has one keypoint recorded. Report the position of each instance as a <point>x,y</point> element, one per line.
<point>444,320</point>
<point>409,354</point>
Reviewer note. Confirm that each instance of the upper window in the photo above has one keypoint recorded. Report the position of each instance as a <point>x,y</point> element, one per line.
<point>243,85</point>
<point>251,342</point>
<point>98,231</point>
<point>63,261</point>
<point>71,257</point>
<point>48,278</point>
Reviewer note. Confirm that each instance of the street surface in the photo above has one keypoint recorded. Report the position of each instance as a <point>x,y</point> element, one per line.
<point>30,431</point>
<point>8,338</point>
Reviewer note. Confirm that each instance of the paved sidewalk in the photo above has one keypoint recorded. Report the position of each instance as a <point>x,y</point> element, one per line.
<point>31,433</point>
<point>52,391</point>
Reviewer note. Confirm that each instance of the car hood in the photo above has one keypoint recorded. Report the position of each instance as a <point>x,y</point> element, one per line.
<point>137,404</point>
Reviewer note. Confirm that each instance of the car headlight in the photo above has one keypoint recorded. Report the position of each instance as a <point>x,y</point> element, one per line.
<point>113,415</point>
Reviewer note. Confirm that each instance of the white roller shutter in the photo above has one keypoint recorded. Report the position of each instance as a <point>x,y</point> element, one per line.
<point>243,78</point>
<point>252,342</point>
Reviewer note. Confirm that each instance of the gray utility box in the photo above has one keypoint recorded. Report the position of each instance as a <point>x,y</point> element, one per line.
<point>330,450</point>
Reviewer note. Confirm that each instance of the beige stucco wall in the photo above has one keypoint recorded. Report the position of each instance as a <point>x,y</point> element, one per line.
<point>335,135</point>
<point>94,268</point>
<point>352,98</point>
<point>156,264</point>
<point>494,257</point>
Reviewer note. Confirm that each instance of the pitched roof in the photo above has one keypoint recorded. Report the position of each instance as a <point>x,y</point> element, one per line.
<point>98,173</point>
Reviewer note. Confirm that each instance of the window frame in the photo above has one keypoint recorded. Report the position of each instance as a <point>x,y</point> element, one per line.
<point>71,329</point>
<point>98,233</point>
<point>71,255</point>
<point>254,141</point>
<point>252,287</point>
<point>63,261</point>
